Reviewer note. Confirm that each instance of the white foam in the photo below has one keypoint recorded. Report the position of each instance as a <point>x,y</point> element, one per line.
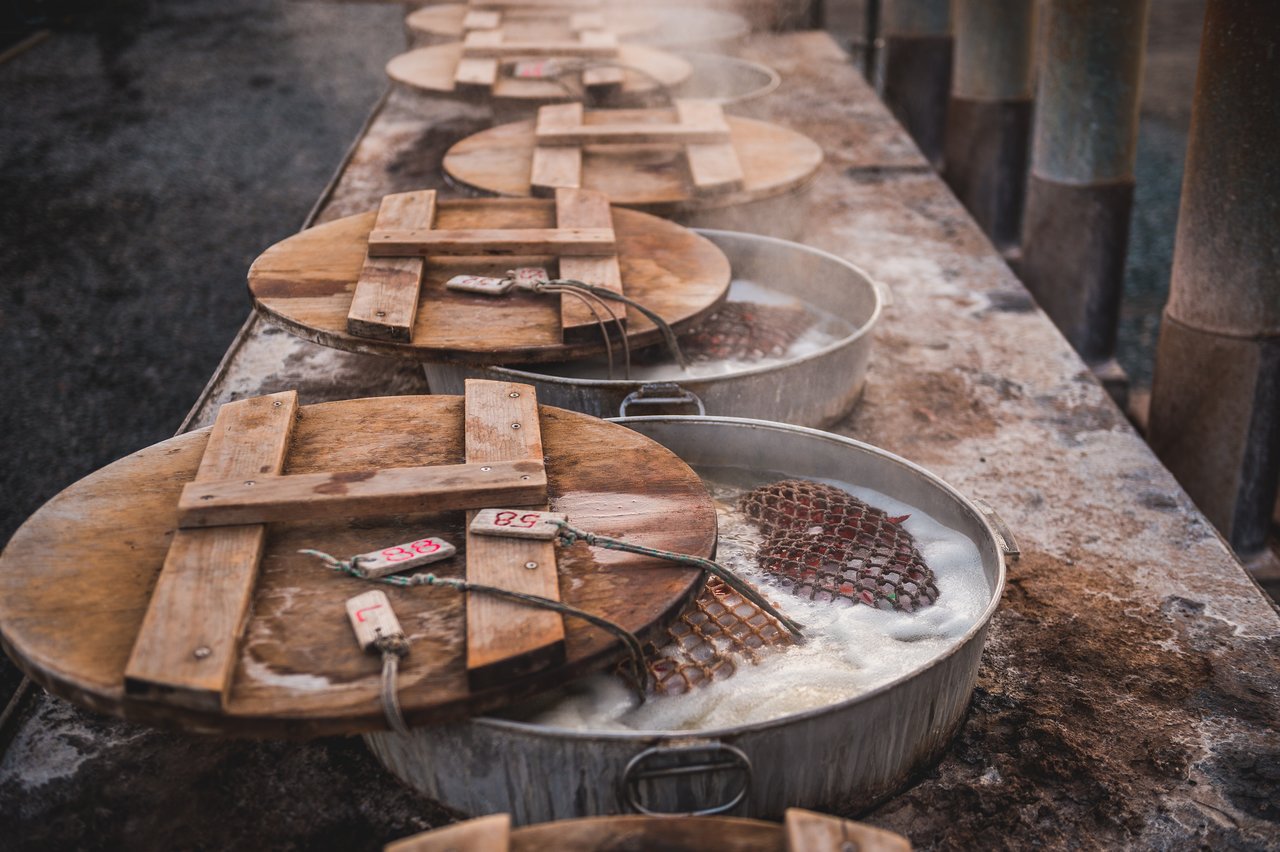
<point>850,649</point>
<point>827,329</point>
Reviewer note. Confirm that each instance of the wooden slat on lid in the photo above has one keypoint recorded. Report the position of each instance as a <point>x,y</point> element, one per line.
<point>579,21</point>
<point>713,167</point>
<point>484,834</point>
<point>606,79</point>
<point>490,44</point>
<point>474,69</point>
<point>482,19</point>
<point>587,242</point>
<point>186,648</point>
<point>576,208</point>
<point>361,493</point>
<point>505,639</point>
<point>813,832</point>
<point>557,166</point>
<point>385,303</point>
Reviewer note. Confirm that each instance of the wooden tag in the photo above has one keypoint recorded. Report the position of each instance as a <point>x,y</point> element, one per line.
<point>526,277</point>
<point>480,284</point>
<point>517,523</point>
<point>372,618</point>
<point>402,557</point>
<point>537,69</point>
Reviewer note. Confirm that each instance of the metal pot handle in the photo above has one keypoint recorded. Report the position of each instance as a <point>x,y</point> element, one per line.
<point>661,393</point>
<point>1005,538</point>
<point>680,761</point>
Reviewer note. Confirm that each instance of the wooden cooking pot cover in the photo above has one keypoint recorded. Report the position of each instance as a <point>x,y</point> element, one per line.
<point>432,69</point>
<point>306,284</point>
<point>448,20</point>
<point>650,177</point>
<point>78,576</point>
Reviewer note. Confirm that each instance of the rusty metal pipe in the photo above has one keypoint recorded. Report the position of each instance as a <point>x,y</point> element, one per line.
<point>1215,407</point>
<point>1080,191</point>
<point>989,115</point>
<point>915,68</point>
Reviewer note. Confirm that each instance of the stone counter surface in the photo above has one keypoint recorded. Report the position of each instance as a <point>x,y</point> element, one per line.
<point>1130,690</point>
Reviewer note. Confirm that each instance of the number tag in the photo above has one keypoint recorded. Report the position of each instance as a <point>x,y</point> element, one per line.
<point>402,557</point>
<point>480,284</point>
<point>537,69</point>
<point>527,277</point>
<point>372,618</point>
<point>517,523</point>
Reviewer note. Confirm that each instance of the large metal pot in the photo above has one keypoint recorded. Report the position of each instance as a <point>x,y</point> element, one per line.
<point>851,754</point>
<point>812,390</point>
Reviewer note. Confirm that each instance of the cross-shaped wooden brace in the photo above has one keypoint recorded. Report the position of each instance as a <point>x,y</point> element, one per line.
<point>560,133</point>
<point>188,645</point>
<point>385,303</point>
<point>484,49</point>
<point>492,19</point>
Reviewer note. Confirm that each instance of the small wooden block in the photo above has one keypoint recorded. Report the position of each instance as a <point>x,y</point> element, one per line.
<point>481,19</point>
<point>596,79</point>
<point>585,242</point>
<point>577,208</point>
<point>480,40</point>
<point>484,834</point>
<point>372,618</point>
<point>807,831</point>
<point>713,168</point>
<point>402,557</point>
<point>627,133</point>
<point>517,523</point>
<point>579,21</point>
<point>385,302</point>
<point>598,38</point>
<point>361,493</point>
<point>475,73</point>
<point>187,647</point>
<point>507,639</point>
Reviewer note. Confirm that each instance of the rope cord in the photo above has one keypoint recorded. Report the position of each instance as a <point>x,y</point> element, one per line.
<point>392,648</point>
<point>570,535</point>
<point>640,679</point>
<point>668,335</point>
<point>558,287</point>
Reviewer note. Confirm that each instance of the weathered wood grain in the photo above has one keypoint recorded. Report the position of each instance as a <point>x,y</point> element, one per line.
<point>385,302</point>
<point>473,242</point>
<point>185,650</point>
<point>576,209</point>
<point>484,834</point>
<point>808,831</point>
<point>713,165</point>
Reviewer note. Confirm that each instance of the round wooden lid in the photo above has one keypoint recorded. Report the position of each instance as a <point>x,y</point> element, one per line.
<point>650,177</point>
<point>432,69</point>
<point>78,577</point>
<point>446,19</point>
<point>306,284</point>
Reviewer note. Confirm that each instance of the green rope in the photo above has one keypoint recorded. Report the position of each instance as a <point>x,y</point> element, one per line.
<point>570,535</point>
<point>641,680</point>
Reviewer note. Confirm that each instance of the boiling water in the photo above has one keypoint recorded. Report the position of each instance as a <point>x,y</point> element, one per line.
<point>849,649</point>
<point>827,328</point>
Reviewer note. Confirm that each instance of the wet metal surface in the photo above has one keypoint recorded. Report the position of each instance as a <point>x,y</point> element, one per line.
<point>1130,690</point>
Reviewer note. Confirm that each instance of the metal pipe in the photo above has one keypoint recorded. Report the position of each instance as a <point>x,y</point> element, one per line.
<point>1080,191</point>
<point>1215,407</point>
<point>989,115</point>
<point>915,68</point>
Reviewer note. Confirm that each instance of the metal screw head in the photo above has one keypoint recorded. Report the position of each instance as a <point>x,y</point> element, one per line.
<point>486,468</point>
<point>515,425</point>
<point>531,565</point>
<point>514,394</point>
<point>275,404</point>
<point>380,313</point>
<point>526,476</point>
<point>249,482</point>
<point>202,652</point>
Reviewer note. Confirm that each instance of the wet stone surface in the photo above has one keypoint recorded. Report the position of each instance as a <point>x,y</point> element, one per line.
<point>1129,695</point>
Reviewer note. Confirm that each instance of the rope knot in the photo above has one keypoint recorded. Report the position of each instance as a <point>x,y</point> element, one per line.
<point>395,644</point>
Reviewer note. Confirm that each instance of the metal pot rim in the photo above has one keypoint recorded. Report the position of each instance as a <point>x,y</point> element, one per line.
<point>774,78</point>
<point>877,308</point>
<point>978,627</point>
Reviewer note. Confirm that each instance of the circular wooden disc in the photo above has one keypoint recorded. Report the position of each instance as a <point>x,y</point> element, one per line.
<point>306,283</point>
<point>432,69</point>
<point>445,19</point>
<point>774,160</point>
<point>76,579</point>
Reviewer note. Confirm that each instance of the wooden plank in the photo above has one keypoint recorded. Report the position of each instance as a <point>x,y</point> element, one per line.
<point>578,208</point>
<point>385,302</point>
<point>588,242</point>
<point>475,72</point>
<point>489,44</point>
<point>361,493</point>
<point>482,19</point>
<point>579,21</point>
<point>506,639</point>
<point>186,649</point>
<point>807,831</point>
<point>484,834</point>
<point>556,167</point>
<point>610,77</point>
<point>714,167</point>
<point>629,133</point>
